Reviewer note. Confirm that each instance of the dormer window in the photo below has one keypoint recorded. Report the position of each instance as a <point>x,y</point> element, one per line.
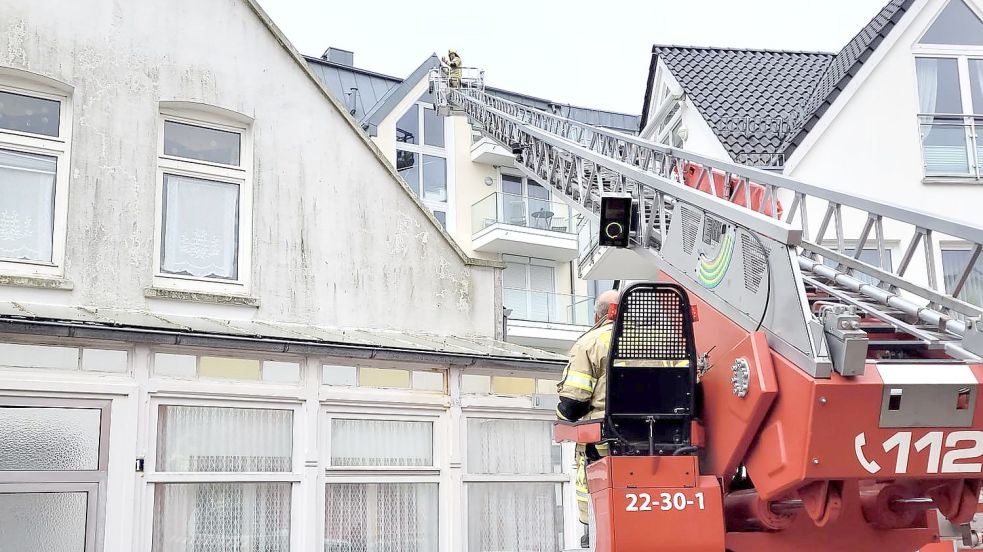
<point>949,69</point>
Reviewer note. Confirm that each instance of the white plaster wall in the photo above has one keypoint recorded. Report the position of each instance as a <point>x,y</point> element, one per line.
<point>337,238</point>
<point>871,146</point>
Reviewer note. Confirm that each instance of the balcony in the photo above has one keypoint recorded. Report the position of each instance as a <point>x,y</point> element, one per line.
<point>951,147</point>
<point>546,320</point>
<point>487,152</point>
<point>520,225</point>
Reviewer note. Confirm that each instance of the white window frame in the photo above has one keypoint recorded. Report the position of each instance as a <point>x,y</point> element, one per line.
<point>383,474</point>
<point>445,153</point>
<point>92,482</point>
<point>27,84</point>
<point>242,176</point>
<point>527,262</point>
<point>666,92</point>
<point>952,245</point>
<point>565,478</point>
<point>294,477</point>
<point>962,54</point>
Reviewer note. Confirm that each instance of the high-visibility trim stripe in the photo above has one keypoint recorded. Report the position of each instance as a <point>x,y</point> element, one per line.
<point>583,498</point>
<point>646,363</point>
<point>560,415</point>
<point>580,380</point>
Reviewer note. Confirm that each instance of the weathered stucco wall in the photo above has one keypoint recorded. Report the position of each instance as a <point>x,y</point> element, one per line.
<point>337,239</point>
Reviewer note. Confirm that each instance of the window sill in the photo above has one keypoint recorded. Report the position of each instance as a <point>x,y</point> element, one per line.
<point>952,180</point>
<point>200,297</point>
<point>39,282</point>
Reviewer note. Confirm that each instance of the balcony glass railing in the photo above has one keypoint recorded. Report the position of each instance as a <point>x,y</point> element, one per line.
<point>518,210</point>
<point>544,306</point>
<point>950,145</point>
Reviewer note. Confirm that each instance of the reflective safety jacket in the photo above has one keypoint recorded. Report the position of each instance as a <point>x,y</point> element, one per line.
<point>583,385</point>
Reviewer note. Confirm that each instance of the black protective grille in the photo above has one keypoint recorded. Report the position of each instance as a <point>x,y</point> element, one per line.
<point>653,326</point>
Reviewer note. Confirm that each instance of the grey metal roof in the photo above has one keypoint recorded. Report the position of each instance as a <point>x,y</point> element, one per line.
<point>371,87</point>
<point>762,103</point>
<point>598,117</point>
<point>341,78</point>
<point>269,336</point>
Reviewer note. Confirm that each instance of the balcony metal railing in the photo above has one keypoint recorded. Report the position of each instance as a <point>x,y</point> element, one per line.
<point>950,145</point>
<point>518,210</point>
<point>544,306</point>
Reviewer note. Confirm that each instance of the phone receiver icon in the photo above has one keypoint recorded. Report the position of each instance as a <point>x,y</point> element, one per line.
<point>858,445</point>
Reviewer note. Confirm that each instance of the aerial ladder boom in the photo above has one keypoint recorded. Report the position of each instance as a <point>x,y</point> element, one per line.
<point>839,396</point>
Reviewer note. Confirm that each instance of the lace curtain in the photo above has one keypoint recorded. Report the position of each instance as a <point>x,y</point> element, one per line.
<point>201,227</point>
<point>381,443</point>
<point>27,205</point>
<point>213,439</point>
<point>500,446</point>
<point>380,517</point>
<point>520,517</point>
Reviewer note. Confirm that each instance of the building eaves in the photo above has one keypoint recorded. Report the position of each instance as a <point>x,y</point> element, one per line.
<point>143,326</point>
<point>844,66</point>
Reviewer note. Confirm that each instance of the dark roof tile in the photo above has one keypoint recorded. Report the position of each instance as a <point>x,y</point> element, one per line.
<point>762,103</point>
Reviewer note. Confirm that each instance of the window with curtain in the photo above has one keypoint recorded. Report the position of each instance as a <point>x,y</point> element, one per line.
<point>421,156</point>
<point>381,489</point>
<point>231,514</point>
<point>31,147</point>
<point>204,197</point>
<point>950,94</point>
<point>953,263</point>
<point>514,485</point>
<point>27,205</point>
<point>200,228</point>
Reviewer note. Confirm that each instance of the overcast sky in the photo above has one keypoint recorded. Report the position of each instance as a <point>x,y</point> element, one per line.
<point>589,53</point>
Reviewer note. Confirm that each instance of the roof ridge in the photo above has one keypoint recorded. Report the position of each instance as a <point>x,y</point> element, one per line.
<point>655,47</point>
<point>337,65</point>
<point>844,66</point>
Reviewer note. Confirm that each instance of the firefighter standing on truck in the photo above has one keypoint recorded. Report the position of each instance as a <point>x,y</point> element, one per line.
<point>582,388</point>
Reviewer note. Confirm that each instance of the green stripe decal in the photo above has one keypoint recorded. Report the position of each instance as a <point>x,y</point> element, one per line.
<point>712,272</point>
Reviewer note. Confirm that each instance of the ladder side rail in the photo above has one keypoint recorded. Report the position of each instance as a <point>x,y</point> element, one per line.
<point>752,220</point>
<point>929,295</point>
<point>915,217</point>
<point>612,161</point>
<point>607,143</point>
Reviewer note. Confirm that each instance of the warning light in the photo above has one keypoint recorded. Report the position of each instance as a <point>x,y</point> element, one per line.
<point>616,215</point>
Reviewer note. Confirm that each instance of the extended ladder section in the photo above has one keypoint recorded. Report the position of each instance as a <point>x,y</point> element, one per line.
<point>741,239</point>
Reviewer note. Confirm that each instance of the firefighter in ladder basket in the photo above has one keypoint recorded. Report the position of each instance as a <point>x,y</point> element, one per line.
<point>582,387</point>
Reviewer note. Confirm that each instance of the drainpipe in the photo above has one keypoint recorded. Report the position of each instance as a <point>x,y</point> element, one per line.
<point>505,323</point>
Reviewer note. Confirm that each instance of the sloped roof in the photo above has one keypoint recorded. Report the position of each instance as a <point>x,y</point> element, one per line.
<point>844,66</point>
<point>748,97</point>
<point>339,80</point>
<point>762,103</point>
